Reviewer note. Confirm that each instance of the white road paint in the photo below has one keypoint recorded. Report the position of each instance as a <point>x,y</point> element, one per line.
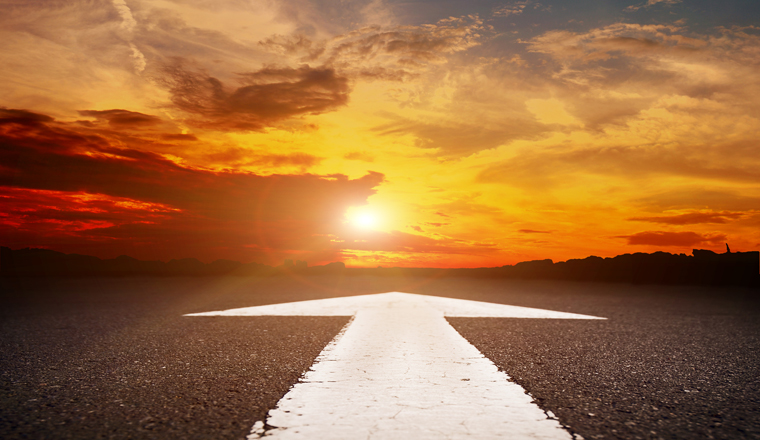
<point>349,305</point>
<point>398,370</point>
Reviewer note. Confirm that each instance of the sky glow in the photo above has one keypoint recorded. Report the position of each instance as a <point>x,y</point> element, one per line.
<point>423,133</point>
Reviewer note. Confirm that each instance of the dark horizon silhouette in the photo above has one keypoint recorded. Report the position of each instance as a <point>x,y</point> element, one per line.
<point>703,267</point>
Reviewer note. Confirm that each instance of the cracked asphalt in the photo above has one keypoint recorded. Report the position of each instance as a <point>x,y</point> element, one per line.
<point>115,358</point>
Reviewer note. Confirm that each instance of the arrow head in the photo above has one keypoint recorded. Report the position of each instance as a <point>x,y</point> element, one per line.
<point>350,305</point>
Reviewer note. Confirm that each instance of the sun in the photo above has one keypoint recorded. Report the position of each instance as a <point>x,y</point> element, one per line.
<point>363,218</point>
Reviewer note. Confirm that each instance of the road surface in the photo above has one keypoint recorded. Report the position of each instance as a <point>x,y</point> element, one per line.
<point>115,358</point>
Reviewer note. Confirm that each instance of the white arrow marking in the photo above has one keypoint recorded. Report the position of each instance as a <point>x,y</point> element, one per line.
<point>398,370</point>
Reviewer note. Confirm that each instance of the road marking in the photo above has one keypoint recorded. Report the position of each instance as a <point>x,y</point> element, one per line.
<point>399,370</point>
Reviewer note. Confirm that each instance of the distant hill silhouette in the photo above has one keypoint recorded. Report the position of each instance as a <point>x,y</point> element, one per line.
<point>703,267</point>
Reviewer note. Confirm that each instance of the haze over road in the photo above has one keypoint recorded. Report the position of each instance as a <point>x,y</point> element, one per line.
<point>115,358</point>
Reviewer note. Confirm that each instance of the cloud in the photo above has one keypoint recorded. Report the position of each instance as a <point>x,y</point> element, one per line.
<point>533,231</point>
<point>466,206</point>
<point>388,53</point>
<point>675,239</point>
<point>651,3</point>
<point>714,198</point>
<point>551,167</point>
<point>382,73</point>
<point>375,48</point>
<point>128,26</point>
<point>664,57</point>
<point>293,45</point>
<point>637,63</point>
<point>210,97</point>
<point>692,218</point>
<point>80,54</point>
<point>359,155</point>
<point>302,161</point>
<point>128,21</point>
<point>123,118</point>
<point>239,156</point>
<point>459,139</point>
<point>50,212</point>
<point>267,96</point>
<point>55,174</point>
<point>179,137</point>
<point>22,117</point>
<point>666,123</point>
<point>327,17</point>
<point>515,8</point>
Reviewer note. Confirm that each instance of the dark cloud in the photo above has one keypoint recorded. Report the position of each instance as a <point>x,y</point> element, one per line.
<point>301,160</point>
<point>180,210</point>
<point>22,117</point>
<point>533,231</point>
<point>138,131</point>
<point>123,118</point>
<point>692,218</point>
<point>675,239</point>
<point>246,157</point>
<point>179,137</point>
<point>267,96</point>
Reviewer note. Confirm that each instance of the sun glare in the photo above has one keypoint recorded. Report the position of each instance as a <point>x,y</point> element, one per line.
<point>363,218</point>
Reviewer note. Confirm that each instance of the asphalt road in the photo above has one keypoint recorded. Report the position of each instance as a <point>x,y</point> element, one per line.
<point>115,358</point>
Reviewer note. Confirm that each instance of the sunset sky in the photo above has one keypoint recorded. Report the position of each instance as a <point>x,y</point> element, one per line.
<point>395,133</point>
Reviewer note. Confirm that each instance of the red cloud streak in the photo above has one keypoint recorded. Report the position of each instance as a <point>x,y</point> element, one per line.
<point>65,188</point>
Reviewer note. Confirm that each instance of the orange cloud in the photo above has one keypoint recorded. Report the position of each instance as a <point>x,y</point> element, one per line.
<point>675,239</point>
<point>693,218</point>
